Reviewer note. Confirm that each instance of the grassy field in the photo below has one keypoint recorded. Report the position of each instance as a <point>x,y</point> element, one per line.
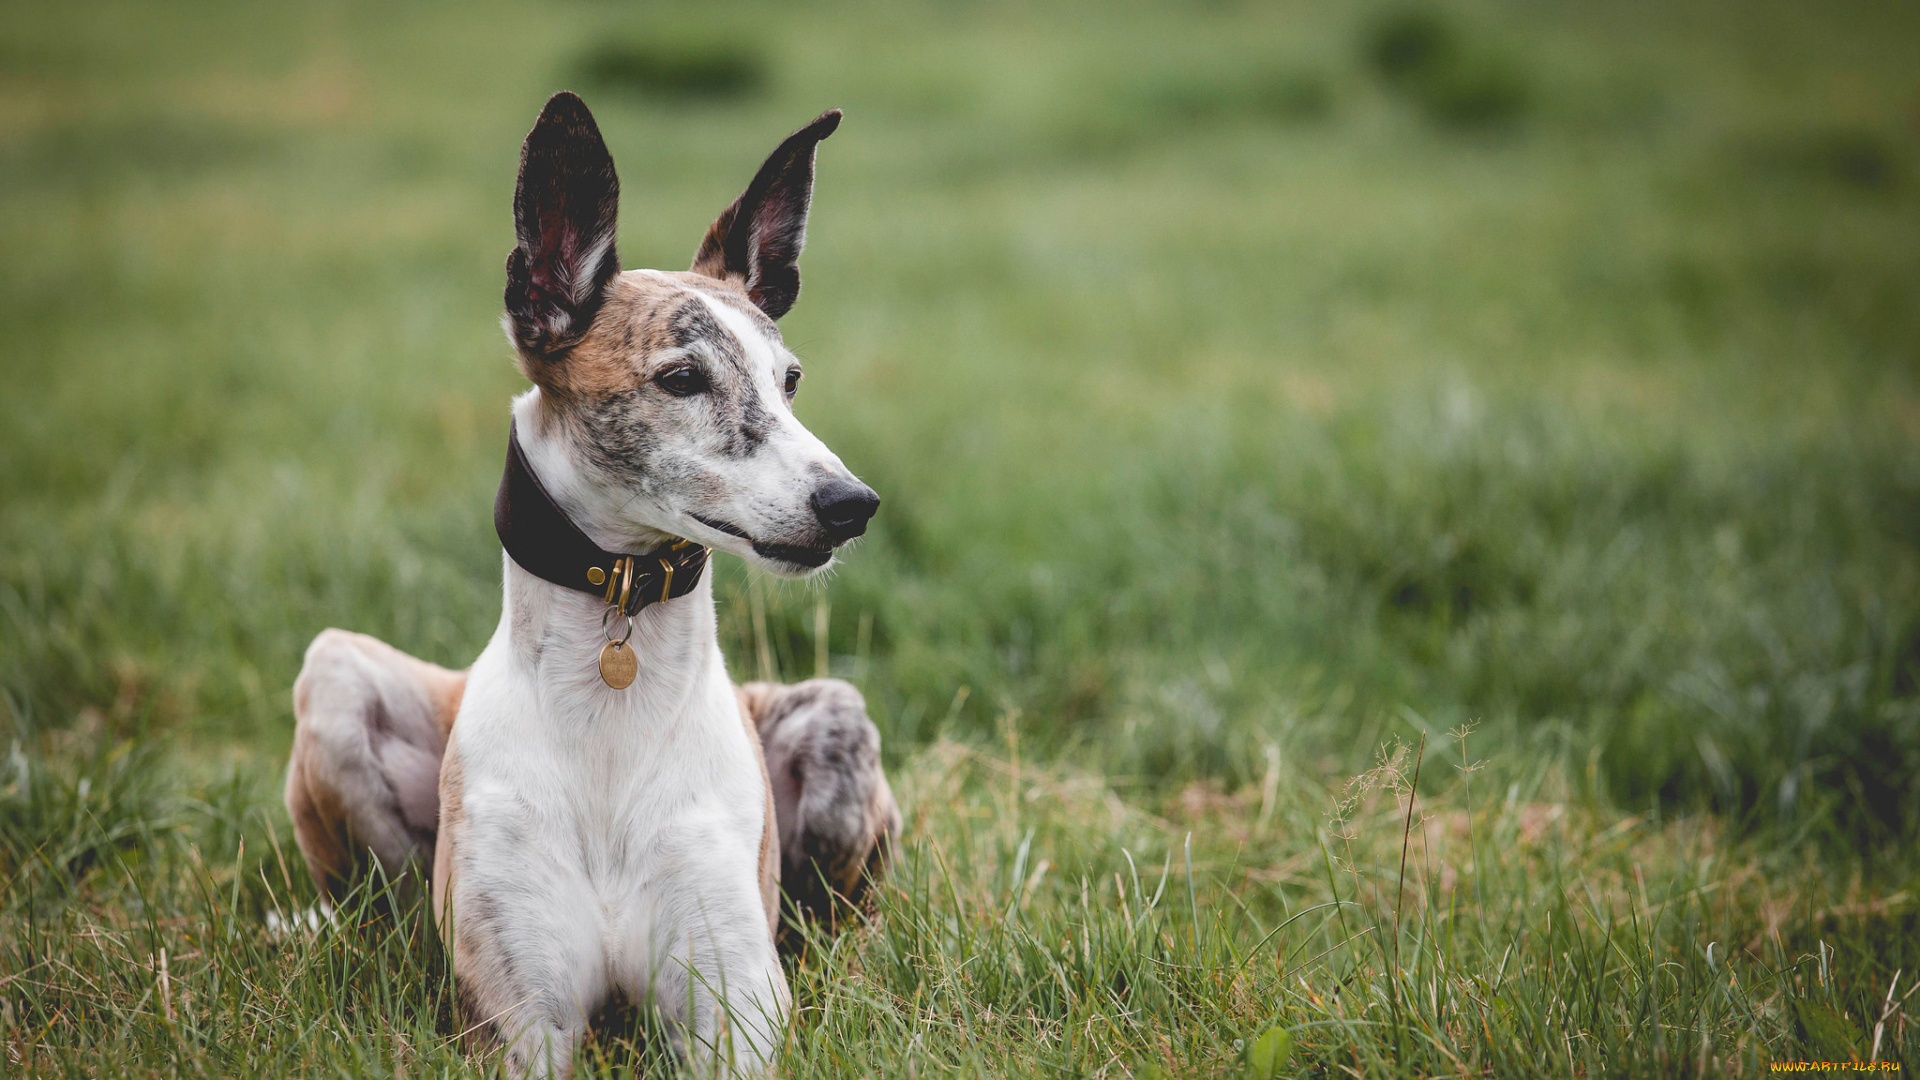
<point>1400,550</point>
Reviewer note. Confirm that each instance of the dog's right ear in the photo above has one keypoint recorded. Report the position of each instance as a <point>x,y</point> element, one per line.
<point>564,210</point>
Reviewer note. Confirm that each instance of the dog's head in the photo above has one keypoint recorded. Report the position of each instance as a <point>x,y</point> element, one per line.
<point>665,400</point>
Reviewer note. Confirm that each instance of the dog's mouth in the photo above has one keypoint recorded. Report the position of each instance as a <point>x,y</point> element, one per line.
<point>793,554</point>
<point>804,556</point>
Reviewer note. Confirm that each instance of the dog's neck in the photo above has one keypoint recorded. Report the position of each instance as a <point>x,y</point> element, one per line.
<point>604,515</point>
<point>558,632</point>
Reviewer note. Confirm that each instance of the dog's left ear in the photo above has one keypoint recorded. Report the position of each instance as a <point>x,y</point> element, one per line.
<point>564,210</point>
<point>757,240</point>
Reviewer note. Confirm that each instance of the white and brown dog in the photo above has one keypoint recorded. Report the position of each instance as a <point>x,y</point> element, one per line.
<point>592,795</point>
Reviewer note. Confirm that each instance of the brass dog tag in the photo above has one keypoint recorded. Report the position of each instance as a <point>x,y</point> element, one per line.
<point>618,665</point>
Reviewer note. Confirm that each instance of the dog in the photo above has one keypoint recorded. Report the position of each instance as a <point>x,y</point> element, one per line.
<point>604,814</point>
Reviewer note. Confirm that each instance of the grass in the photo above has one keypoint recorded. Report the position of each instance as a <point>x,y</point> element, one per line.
<point>1245,403</point>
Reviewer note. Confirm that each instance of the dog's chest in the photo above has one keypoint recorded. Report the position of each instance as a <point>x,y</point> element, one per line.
<point>628,800</point>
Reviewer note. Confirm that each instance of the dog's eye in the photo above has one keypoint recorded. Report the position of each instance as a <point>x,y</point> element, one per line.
<point>682,381</point>
<point>793,381</point>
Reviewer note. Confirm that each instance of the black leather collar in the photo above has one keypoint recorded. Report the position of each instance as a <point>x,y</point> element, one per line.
<point>538,535</point>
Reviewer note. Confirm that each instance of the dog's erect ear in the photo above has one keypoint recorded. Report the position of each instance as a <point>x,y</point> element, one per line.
<point>564,208</point>
<point>757,240</point>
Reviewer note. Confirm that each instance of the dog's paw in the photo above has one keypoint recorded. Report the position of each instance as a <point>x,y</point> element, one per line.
<point>303,921</point>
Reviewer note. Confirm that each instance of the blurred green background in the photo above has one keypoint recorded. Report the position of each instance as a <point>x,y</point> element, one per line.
<point>1240,377</point>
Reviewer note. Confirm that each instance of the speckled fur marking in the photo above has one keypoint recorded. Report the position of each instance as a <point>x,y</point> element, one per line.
<point>837,815</point>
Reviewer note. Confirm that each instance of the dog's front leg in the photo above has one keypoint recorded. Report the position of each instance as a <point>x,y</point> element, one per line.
<point>523,931</point>
<point>543,1047</point>
<point>531,991</point>
<point>728,1014</point>
<point>717,983</point>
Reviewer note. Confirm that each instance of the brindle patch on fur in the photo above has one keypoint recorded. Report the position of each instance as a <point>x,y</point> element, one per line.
<point>628,327</point>
<point>744,422</point>
<point>836,811</point>
<point>692,324</point>
<point>614,434</point>
<point>729,293</point>
<point>752,429</point>
<point>599,391</point>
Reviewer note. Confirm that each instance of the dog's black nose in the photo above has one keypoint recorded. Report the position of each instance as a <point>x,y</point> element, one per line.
<point>843,507</point>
